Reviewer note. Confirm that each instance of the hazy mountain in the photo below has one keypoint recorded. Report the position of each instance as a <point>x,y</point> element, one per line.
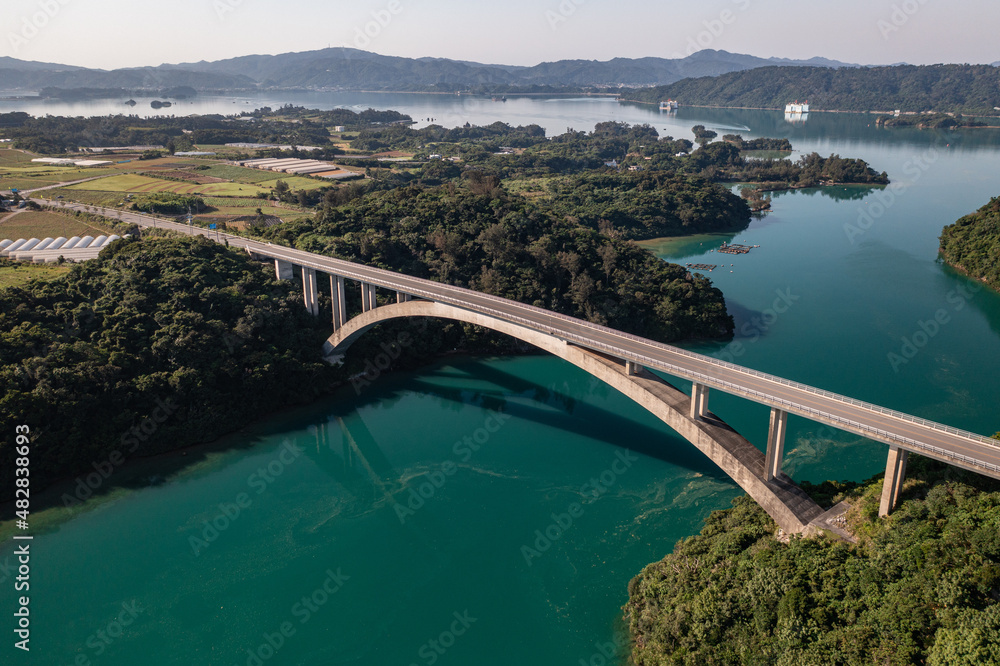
<point>25,75</point>
<point>352,68</point>
<point>356,69</point>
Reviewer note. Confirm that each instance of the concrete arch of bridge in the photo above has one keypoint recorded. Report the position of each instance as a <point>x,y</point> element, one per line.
<point>790,507</point>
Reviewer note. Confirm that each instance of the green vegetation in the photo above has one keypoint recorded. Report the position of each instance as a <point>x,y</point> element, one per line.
<point>973,244</point>
<point>168,204</point>
<point>288,125</point>
<point>17,274</point>
<point>929,121</point>
<point>968,89</point>
<point>481,237</point>
<point>919,587</point>
<point>180,319</point>
<point>649,204</point>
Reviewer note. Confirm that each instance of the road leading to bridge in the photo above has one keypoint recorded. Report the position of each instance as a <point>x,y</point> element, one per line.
<point>950,445</point>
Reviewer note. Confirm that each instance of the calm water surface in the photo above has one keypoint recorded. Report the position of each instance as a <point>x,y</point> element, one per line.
<point>407,525</point>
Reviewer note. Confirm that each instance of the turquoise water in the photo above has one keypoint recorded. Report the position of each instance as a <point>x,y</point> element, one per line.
<point>407,525</point>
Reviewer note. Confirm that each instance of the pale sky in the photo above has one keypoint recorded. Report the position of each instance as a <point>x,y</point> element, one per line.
<point>128,33</point>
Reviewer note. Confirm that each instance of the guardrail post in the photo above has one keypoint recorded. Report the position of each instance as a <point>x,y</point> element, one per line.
<point>775,443</point>
<point>699,401</point>
<point>282,269</point>
<point>339,301</point>
<point>892,486</point>
<point>309,290</point>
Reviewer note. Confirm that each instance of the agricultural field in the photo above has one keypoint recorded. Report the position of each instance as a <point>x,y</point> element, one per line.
<point>238,174</point>
<point>15,274</point>
<point>134,183</point>
<point>296,182</point>
<point>44,224</point>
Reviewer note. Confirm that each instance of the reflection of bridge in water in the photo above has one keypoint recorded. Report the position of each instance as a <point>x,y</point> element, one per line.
<point>626,362</point>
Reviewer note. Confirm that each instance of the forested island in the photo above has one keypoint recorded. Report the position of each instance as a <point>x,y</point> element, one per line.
<point>920,587</point>
<point>969,89</point>
<point>929,121</point>
<point>972,244</point>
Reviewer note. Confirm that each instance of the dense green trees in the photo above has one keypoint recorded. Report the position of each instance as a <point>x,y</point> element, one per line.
<point>501,244</point>
<point>962,88</point>
<point>182,321</point>
<point>920,587</point>
<point>972,244</point>
<point>648,204</point>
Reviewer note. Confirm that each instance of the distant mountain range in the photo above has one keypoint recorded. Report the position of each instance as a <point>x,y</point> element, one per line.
<point>352,69</point>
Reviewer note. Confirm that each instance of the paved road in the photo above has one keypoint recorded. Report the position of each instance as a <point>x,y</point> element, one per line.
<point>951,445</point>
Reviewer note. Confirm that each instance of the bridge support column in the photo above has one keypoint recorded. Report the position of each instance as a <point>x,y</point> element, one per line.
<point>403,298</point>
<point>892,487</point>
<point>339,301</point>
<point>632,368</point>
<point>282,269</point>
<point>367,297</point>
<point>775,443</point>
<point>699,401</point>
<point>309,290</point>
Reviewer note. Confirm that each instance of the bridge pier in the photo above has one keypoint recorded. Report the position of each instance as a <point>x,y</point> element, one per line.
<point>367,297</point>
<point>632,368</point>
<point>339,297</point>
<point>403,298</point>
<point>309,290</point>
<point>282,269</point>
<point>775,443</point>
<point>699,401</point>
<point>892,486</point>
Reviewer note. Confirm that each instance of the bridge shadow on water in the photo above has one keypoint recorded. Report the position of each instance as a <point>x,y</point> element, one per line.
<point>556,409</point>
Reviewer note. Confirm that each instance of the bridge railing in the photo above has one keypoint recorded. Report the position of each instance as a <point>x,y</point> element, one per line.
<point>940,427</point>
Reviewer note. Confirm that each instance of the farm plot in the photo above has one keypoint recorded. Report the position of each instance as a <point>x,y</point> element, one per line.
<point>43,224</point>
<point>141,184</point>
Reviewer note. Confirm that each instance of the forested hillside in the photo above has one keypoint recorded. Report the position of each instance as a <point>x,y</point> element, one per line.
<point>954,88</point>
<point>921,587</point>
<point>181,322</point>
<point>973,244</point>
<point>481,237</point>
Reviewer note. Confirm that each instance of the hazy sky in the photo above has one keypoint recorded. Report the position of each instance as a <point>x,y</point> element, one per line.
<point>129,33</point>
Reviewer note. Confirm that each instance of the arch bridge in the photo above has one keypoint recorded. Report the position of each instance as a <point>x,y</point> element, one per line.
<point>627,362</point>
